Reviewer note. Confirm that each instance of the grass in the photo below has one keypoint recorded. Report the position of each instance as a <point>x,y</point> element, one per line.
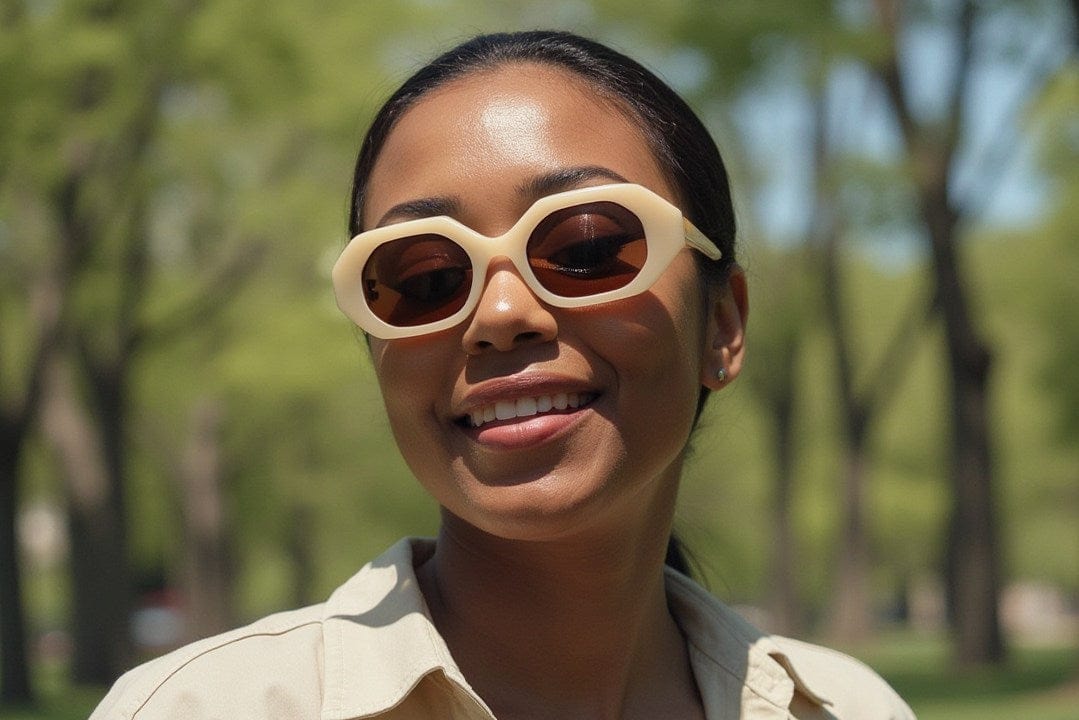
<point>1036,682</point>
<point>1041,683</point>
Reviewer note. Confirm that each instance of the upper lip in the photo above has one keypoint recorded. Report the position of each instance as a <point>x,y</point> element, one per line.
<point>517,386</point>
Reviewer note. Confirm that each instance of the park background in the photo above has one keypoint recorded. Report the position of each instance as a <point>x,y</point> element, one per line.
<point>191,437</point>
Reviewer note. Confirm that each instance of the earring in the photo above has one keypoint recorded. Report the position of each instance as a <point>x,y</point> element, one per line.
<point>721,375</point>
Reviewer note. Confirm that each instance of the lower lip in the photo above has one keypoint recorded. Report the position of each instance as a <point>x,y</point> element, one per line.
<point>520,433</point>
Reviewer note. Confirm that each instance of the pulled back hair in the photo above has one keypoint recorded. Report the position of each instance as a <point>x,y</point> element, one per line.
<point>681,144</point>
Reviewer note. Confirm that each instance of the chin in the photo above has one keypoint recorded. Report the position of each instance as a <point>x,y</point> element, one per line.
<point>542,509</point>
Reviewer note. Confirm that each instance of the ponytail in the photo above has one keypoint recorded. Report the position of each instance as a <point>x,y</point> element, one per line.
<point>677,556</point>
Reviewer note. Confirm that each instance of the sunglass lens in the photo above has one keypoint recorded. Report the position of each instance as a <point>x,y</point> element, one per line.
<point>417,280</point>
<point>587,249</point>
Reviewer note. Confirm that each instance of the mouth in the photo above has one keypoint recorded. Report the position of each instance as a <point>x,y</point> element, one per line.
<point>523,407</point>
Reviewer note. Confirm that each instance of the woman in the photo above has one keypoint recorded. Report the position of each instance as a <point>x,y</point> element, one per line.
<point>544,264</point>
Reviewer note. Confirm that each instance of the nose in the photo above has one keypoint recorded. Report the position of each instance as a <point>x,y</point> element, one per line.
<point>508,314</point>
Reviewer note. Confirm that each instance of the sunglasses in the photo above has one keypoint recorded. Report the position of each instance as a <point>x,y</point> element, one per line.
<point>573,249</point>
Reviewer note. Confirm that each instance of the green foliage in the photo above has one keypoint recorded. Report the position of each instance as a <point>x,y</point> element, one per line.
<point>1018,275</point>
<point>1055,122</point>
<point>726,494</point>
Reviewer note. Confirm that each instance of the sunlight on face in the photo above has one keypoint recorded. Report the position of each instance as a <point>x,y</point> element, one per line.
<point>610,467</point>
<point>511,126</point>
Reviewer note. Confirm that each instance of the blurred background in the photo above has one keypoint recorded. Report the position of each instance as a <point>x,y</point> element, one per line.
<point>190,435</point>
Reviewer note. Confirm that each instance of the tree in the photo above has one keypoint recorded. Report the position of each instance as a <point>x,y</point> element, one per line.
<point>972,566</point>
<point>781,312</point>
<point>101,101</point>
<point>191,136</point>
<point>39,283</point>
<point>110,197</point>
<point>818,39</point>
<point>1053,122</point>
<point>207,547</point>
<point>934,145</point>
<point>861,401</point>
<point>19,406</point>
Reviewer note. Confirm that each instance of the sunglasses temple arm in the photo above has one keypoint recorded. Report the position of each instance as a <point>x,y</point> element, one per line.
<point>698,240</point>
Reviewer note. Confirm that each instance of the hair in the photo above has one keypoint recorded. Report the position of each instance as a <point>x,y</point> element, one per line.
<point>682,146</point>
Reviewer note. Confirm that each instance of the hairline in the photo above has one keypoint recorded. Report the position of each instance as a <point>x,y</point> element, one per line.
<point>649,134</point>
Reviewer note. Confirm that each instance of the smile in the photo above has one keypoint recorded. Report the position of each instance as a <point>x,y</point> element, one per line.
<point>526,407</point>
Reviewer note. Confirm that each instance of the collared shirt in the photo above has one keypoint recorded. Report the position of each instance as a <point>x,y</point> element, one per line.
<point>372,651</point>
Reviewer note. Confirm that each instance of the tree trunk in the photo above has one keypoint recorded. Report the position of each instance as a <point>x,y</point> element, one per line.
<point>851,617</point>
<point>15,684</point>
<point>207,573</point>
<point>18,411</point>
<point>972,561</point>
<point>1075,23</point>
<point>972,558</point>
<point>788,616</point>
<point>99,567</point>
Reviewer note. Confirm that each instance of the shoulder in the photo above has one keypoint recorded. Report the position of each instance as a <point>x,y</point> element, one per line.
<point>271,668</point>
<point>805,680</point>
<point>361,642</point>
<point>852,689</point>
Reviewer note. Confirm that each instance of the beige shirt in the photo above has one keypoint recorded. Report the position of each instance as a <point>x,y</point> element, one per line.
<point>371,651</point>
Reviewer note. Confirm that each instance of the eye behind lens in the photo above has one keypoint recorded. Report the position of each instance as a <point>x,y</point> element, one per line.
<point>417,280</point>
<point>587,249</point>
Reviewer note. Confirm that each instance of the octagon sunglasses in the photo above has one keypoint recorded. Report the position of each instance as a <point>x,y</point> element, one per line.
<point>576,248</point>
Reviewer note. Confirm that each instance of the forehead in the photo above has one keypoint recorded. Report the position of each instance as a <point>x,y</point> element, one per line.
<point>494,130</point>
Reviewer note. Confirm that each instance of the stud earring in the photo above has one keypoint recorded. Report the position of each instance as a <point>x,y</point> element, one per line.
<point>721,375</point>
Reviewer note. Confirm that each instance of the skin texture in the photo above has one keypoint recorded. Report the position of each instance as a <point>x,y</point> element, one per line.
<point>547,578</point>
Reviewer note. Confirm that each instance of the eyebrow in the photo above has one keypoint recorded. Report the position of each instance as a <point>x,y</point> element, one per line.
<point>532,189</point>
<point>565,179</point>
<point>420,208</point>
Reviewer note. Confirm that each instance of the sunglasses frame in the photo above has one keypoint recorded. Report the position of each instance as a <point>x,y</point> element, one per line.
<point>666,231</point>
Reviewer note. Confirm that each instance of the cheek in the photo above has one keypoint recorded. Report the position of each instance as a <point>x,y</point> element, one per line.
<point>410,387</point>
<point>655,341</point>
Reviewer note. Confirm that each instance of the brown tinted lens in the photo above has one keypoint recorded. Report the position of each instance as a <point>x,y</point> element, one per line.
<point>417,280</point>
<point>587,249</point>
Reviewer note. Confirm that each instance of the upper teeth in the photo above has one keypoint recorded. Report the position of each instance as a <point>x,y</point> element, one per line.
<point>525,407</point>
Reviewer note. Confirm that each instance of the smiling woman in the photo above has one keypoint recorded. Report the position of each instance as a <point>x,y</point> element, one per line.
<point>543,259</point>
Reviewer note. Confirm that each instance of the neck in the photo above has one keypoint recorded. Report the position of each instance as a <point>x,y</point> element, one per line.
<point>574,628</point>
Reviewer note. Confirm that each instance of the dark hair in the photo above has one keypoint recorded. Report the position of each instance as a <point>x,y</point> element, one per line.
<point>681,144</point>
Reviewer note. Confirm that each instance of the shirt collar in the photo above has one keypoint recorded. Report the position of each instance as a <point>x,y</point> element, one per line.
<point>379,639</point>
<point>380,642</point>
<point>732,658</point>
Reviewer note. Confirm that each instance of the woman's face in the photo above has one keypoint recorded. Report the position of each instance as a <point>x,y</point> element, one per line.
<point>482,149</point>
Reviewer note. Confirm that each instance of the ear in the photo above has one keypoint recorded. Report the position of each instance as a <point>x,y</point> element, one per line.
<point>725,333</point>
